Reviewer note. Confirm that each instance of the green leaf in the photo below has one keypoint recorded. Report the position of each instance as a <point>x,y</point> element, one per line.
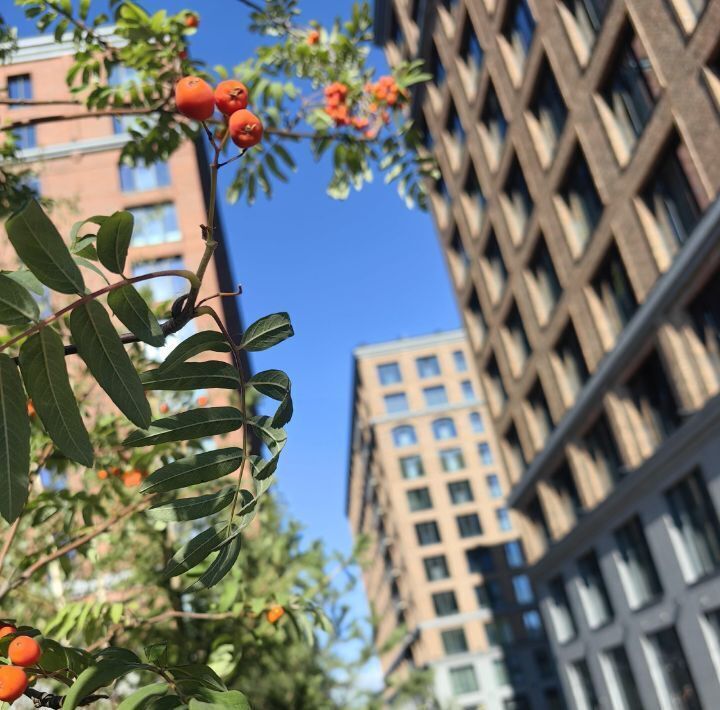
<point>271,436</point>
<point>222,564</point>
<point>266,332</point>
<point>185,509</point>
<point>284,412</point>
<point>168,702</point>
<point>42,363</point>
<point>195,551</point>
<point>271,383</point>
<point>133,312</point>
<point>137,701</point>
<point>213,700</point>
<point>14,441</point>
<point>113,241</point>
<point>41,248</point>
<point>17,306</point>
<point>207,340</point>
<point>191,470</point>
<point>193,424</point>
<point>192,376</point>
<point>193,677</point>
<point>102,674</point>
<point>100,347</point>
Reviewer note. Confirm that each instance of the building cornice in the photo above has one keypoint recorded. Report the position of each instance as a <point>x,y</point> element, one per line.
<point>64,150</point>
<point>411,343</point>
<point>439,410</point>
<point>37,49</point>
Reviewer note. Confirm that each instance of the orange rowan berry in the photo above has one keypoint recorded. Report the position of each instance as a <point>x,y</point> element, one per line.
<point>132,479</point>
<point>164,408</point>
<point>373,107</point>
<point>274,614</point>
<point>116,470</point>
<point>194,98</point>
<point>13,683</point>
<point>246,129</point>
<point>30,408</point>
<point>202,400</point>
<point>7,630</point>
<point>102,474</point>
<point>24,651</point>
<point>231,96</point>
<point>360,122</point>
<point>313,37</point>
<point>192,21</point>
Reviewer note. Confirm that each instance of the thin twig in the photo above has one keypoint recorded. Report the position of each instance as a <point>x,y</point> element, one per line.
<point>55,702</point>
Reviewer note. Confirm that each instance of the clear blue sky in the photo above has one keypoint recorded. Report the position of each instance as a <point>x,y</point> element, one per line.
<point>364,270</point>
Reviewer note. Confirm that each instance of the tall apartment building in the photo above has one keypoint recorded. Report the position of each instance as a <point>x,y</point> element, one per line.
<point>579,146</point>
<point>76,161</point>
<point>427,487</point>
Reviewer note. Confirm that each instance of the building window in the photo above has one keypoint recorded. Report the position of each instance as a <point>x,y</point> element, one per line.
<point>25,137</point>
<point>444,429</point>
<point>514,455</point>
<point>437,69</point>
<point>166,288</point>
<point>695,528</point>
<point>704,312</point>
<point>155,224</point>
<point>493,125</point>
<point>471,52</point>
<point>579,205</point>
<point>600,446</point>
<point>561,614</point>
<point>455,128</point>
<point>19,88</point>
<point>499,632</point>
<point>468,392</point>
<point>613,292</point>
<point>454,641</point>
<point>670,198</point>
<point>480,560</point>
<point>503,519</point>
<point>459,259</point>
<point>582,686</point>
<point>485,453</point>
<point>514,554</point>
<point>533,624</point>
<point>518,30</point>
<point>435,396</point>
<point>523,589</point>
<point>516,202</point>
<point>396,402</point>
<point>445,603</point>
<point>142,177</point>
<point>651,394</point>
<point>543,283</point>
<point>452,460</point>
<point>419,499</point>
<point>493,265</point>
<point>476,423</point>
<point>495,386</point>
<point>442,200</point>
<point>490,595</point>
<point>563,485</point>
<point>711,628</point>
<point>571,361</point>
<point>630,93</point>
<point>476,325</point>
<point>669,669</point>
<point>540,413</point>
<point>621,681</point>
<point>428,366</point>
<point>460,361</point>
<point>635,564</point>
<point>460,492</point>
<point>516,341</point>
<point>389,373</point>
<point>427,533</point>
<point>546,667</point>
<point>475,198</point>
<point>593,592</point>
<point>404,435</point>
<point>436,568</point>
<point>493,484</point>
<point>689,12</point>
<point>584,19</point>
<point>502,675</point>
<point>469,525</point>
<point>463,680</point>
<point>548,114</point>
<point>412,467</point>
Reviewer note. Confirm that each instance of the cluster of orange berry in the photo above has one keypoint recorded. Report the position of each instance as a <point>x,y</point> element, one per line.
<point>196,99</point>
<point>385,91</point>
<point>336,107</point>
<point>274,614</point>
<point>23,651</point>
<point>131,478</point>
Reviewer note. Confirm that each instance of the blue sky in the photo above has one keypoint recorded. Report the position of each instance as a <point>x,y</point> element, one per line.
<point>360,271</point>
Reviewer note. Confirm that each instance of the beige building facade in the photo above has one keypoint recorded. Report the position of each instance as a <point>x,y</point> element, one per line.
<point>428,488</point>
<point>578,142</point>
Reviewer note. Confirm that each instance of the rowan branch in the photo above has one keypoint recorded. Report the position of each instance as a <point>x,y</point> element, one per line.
<point>55,702</point>
<point>40,102</point>
<point>70,17</point>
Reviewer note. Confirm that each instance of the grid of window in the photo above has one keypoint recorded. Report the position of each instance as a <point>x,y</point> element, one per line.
<point>463,680</point>
<point>427,533</point>
<point>480,560</point>
<point>564,487</point>
<point>19,88</point>
<point>523,589</point>
<point>486,457</point>
<point>549,111</point>
<point>496,387</point>
<point>543,281</point>
<point>404,435</point>
<point>582,686</point>
<point>517,340</point>
<point>600,445</point>
<point>455,127</point>
<point>396,402</point>
<point>560,612</point>
<point>571,360</point>
<point>143,177</point>
<point>454,641</point>
<point>476,198</point>
<point>540,412</point>
<point>444,429</point>
<point>494,267</point>
<point>587,16</point>
<point>412,467</point>
<point>494,125</point>
<point>470,49</point>
<point>435,396</point>
<point>389,373</point>
<point>494,487</point>
<point>419,499</point>
<point>445,603</point>
<point>436,568</point>
<point>428,366</point>
<point>704,312</point>
<point>518,30</point>
<point>25,137</point>
<point>469,525</point>
<point>460,361</point>
<point>517,201</point>
<point>460,492</point>
<point>669,668</point>
<point>452,460</point>
<point>621,681</point>
<point>503,519</point>
<point>593,592</point>
<point>613,291</point>
<point>460,260</point>
<point>638,574</point>
<point>476,423</point>
<point>514,554</point>
<point>155,224</point>
<point>468,392</point>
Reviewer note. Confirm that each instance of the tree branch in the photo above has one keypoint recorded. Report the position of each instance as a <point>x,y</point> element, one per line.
<point>55,702</point>
<point>83,27</point>
<point>40,102</point>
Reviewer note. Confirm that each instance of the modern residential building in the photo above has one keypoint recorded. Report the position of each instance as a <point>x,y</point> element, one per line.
<point>428,488</point>
<point>579,146</point>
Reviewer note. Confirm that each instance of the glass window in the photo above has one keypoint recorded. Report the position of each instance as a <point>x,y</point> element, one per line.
<point>493,484</point>
<point>419,499</point>
<point>476,422</point>
<point>499,632</point>
<point>144,177</point>
<point>428,366</point>
<point>436,568</point>
<point>490,595</point>
<point>463,680</point>
<point>519,346</point>
<point>476,198</point>
<point>601,447</point>
<point>502,676</point>
<point>582,686</point>
<point>427,533</point>
<point>19,88</point>
<point>165,288</point>
<point>445,603</point>
<point>412,467</point>
<point>435,396</point>
<point>563,485</point>
<point>549,110</point>
<point>469,525</point>
<point>471,50</point>
<point>545,665</point>
<point>494,124</point>
<point>593,592</point>
<point>460,361</point>
<point>669,668</point>
<point>503,518</point>
<point>468,392</point>
<point>475,320</point>
<point>621,681</point>
<point>695,528</point>
<point>613,290</point>
<point>389,373</point>
<point>514,554</point>
<point>518,202</point>
<point>459,258</point>
<point>25,137</point>
<point>404,435</point>
<point>485,453</point>
<point>455,127</point>
<point>480,559</point>
<point>572,361</point>
<point>533,624</point>
<point>444,429</point>
<point>523,589</point>
<point>704,312</point>
<point>452,460</point>
<point>437,69</point>
<point>711,627</point>
<point>518,29</point>
<point>494,267</point>
<point>536,518</point>
<point>589,16</point>
<point>460,492</point>
<point>540,411</point>
<point>454,641</point>
<point>155,224</point>
<point>495,382</point>
<point>560,612</point>
<point>637,570</point>
<point>396,402</point>
<point>544,283</point>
